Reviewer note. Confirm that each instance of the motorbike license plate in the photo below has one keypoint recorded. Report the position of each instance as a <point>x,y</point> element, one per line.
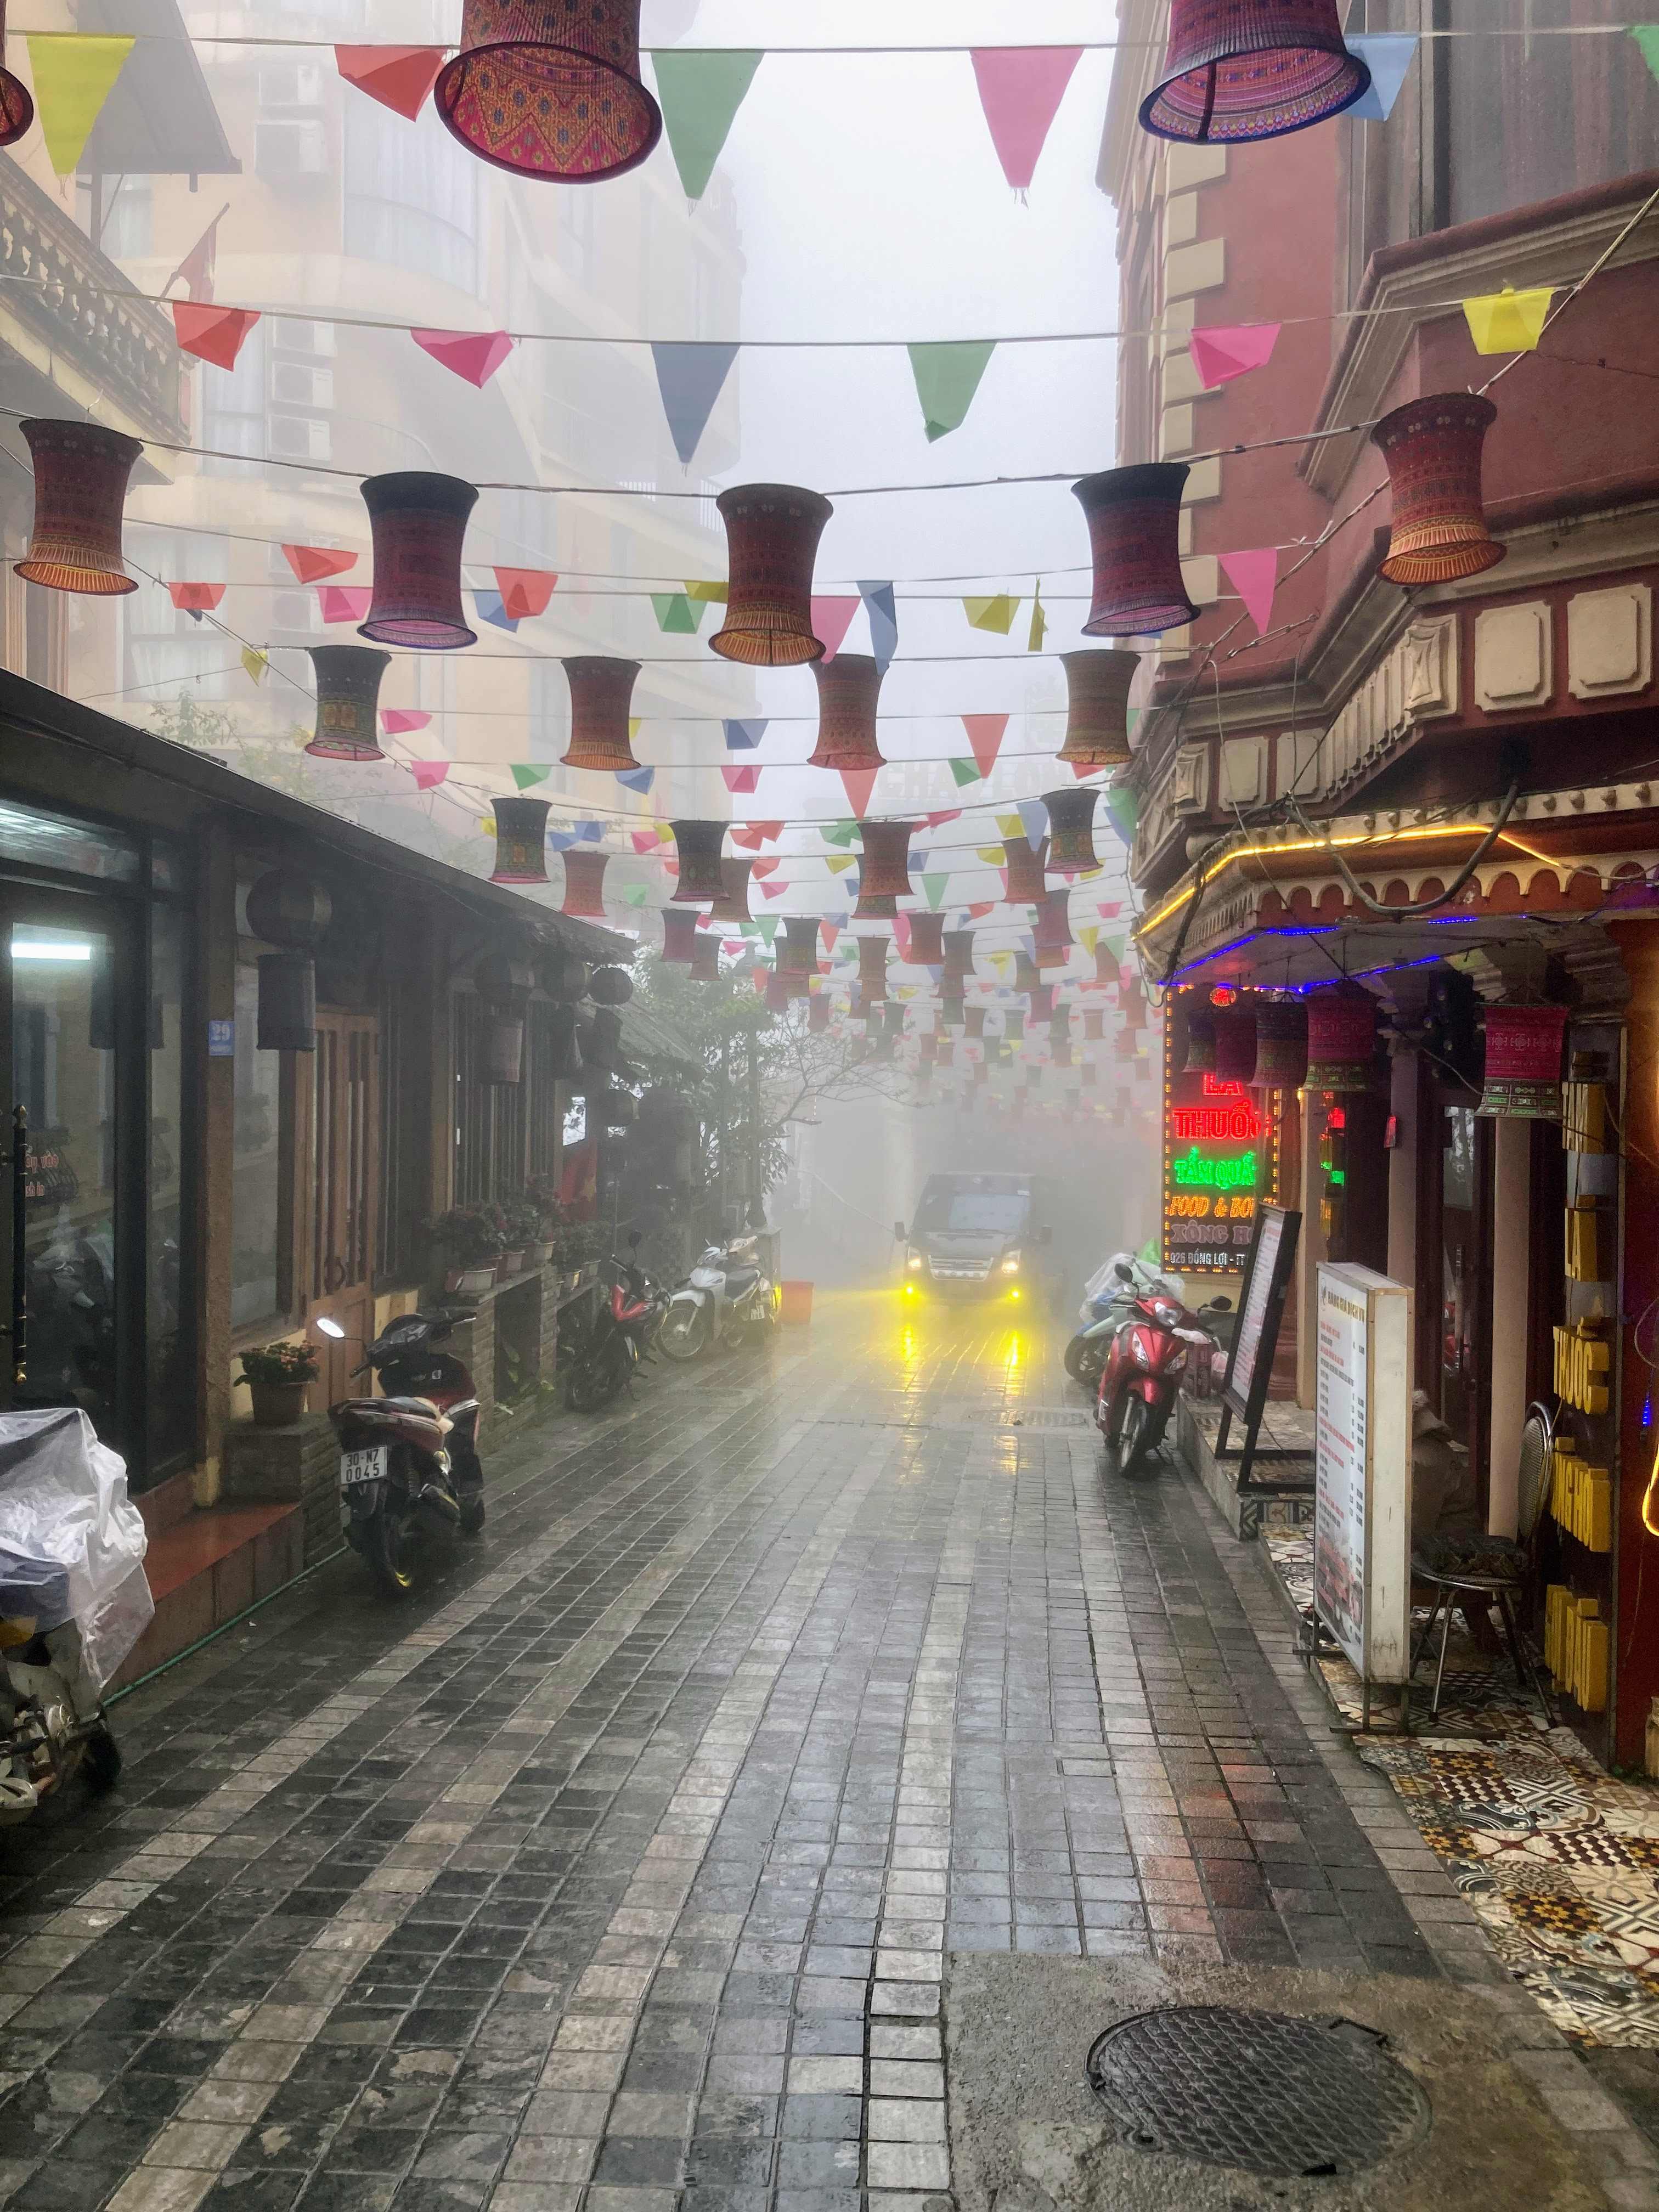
<point>367,1466</point>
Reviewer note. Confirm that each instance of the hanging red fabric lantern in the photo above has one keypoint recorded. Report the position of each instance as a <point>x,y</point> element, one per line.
<point>679,927</point>
<point>1025,871</point>
<point>1281,1045</point>
<point>521,843</point>
<point>1234,1041</point>
<point>601,693</point>
<point>1341,1039</point>
<point>698,845</point>
<point>1040,1003</point>
<point>1132,1006</point>
<point>872,969</point>
<point>1135,537</point>
<point>818,1013</point>
<point>1093,1022</point>
<point>849,687</point>
<point>418,521</point>
<point>797,953</point>
<point>884,869</point>
<point>733,904</point>
<point>81,473</point>
<point>1198,1058</point>
<point>976,1021</point>
<point>1523,1080</point>
<point>777,993</point>
<point>958,956</point>
<point>16,108</point>
<point>551,88</point>
<point>1432,449</point>
<point>1053,930</point>
<point>1240,69</point>
<point>347,698</point>
<point>583,883</point>
<point>705,955</point>
<point>1026,977</point>
<point>1060,1047</point>
<point>927,939</point>
<point>1072,827</point>
<point>772,533</point>
<point>1098,707</point>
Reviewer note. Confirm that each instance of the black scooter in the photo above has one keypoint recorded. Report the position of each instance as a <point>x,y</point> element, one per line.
<point>603,1358</point>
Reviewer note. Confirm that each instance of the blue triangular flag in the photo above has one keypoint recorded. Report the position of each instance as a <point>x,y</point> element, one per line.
<point>637,779</point>
<point>743,737</point>
<point>690,378</point>
<point>1033,819</point>
<point>1387,55</point>
<point>492,608</point>
<point>561,841</point>
<point>589,832</point>
<point>883,621</point>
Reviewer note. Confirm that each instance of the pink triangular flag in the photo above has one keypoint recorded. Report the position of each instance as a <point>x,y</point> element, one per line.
<point>747,833</point>
<point>902,935</point>
<point>740,779</point>
<point>214,334</point>
<point>1020,89</point>
<point>310,563</point>
<point>860,783</point>
<point>1255,576</point>
<point>644,841</point>
<point>1230,349</point>
<point>771,831</point>
<point>943,814</point>
<point>760,868</point>
<point>985,736</point>
<point>345,603</point>
<point>395,720</point>
<point>473,356</point>
<point>773,891</point>
<point>399,78</point>
<point>829,930</point>
<point>524,592</point>
<point>831,620</point>
<point>196,598</point>
<point>428,773</point>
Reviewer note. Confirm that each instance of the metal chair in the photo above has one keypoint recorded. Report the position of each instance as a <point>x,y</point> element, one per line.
<point>1474,1568</point>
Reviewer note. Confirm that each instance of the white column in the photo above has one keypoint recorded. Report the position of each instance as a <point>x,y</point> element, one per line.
<point>1511,1271</point>
<point>1402,1171</point>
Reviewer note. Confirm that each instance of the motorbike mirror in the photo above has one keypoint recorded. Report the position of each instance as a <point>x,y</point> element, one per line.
<point>898,1232</point>
<point>331,1328</point>
<point>1124,1273</point>
<point>1219,1305</point>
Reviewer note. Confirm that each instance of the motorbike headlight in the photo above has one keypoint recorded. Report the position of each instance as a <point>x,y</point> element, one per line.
<point>913,1262</point>
<point>1143,1357</point>
<point>1011,1264</point>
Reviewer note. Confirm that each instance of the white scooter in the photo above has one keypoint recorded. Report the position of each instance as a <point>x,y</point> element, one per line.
<point>728,1295</point>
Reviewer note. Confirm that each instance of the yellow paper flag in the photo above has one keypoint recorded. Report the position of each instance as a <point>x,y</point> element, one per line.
<point>1039,629</point>
<point>255,663</point>
<point>996,614</point>
<point>634,723</point>
<point>1508,321</point>
<point>1011,826</point>
<point>993,855</point>
<point>1087,934</point>
<point>714,593</point>
<point>73,78</point>
<point>838,863</point>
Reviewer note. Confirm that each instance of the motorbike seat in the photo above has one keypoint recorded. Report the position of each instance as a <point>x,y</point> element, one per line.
<point>739,1279</point>
<point>421,1407</point>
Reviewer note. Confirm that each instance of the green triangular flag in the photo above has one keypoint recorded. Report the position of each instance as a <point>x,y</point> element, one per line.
<point>676,611</point>
<point>767,926</point>
<point>934,887</point>
<point>947,376</point>
<point>1124,808</point>
<point>1646,36</point>
<point>636,894</point>
<point>965,771</point>
<point>528,772</point>
<point>838,833</point>
<point>1114,946</point>
<point>700,93</point>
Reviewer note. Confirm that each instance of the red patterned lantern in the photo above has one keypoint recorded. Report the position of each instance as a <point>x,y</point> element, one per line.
<point>927,939</point>
<point>1523,1063</point>
<point>679,925</point>
<point>1060,1047</point>
<point>1240,69</point>
<point>698,845</point>
<point>584,883</point>
<point>849,687</point>
<point>1053,930</point>
<point>1025,865</point>
<point>1341,1039</point>
<point>1093,1021</point>
<point>1072,827</point>
<point>348,698</point>
<point>1235,1042</point>
<point>873,969</point>
<point>16,108</point>
<point>81,473</point>
<point>958,956</point>
<point>551,88</point>
<point>1199,1056</point>
<point>521,843</point>
<point>772,533</point>
<point>1132,1005</point>
<point>1135,536</point>
<point>1026,975</point>
<point>976,1021</point>
<point>705,956</point>
<point>733,904</point>
<point>1098,707</point>
<point>1281,1045</point>
<point>777,993</point>
<point>1432,448</point>
<point>818,1013</point>
<point>885,869</point>
<point>798,954</point>
<point>601,693</point>
<point>1040,1004</point>
<point>419,525</point>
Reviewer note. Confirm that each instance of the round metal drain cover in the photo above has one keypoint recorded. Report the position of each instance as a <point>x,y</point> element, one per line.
<point>1262,2090</point>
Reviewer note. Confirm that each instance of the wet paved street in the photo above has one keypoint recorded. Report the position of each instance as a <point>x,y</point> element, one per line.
<point>625,1864</point>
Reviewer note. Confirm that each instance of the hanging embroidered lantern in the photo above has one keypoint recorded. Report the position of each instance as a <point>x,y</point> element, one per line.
<point>1234,1041</point>
<point>611,986</point>
<point>1124,1044</point>
<point>927,939</point>
<point>772,533</point>
<point>1060,1048</point>
<point>976,1021</point>
<point>1135,536</point>
<point>1240,69</point>
<point>698,845</point>
<point>1199,1057</point>
<point>884,869</point>
<point>1281,1045</point>
<point>601,693</point>
<point>679,927</point>
<point>1072,827</point>
<point>1025,865</point>
<point>1040,1005</point>
<point>551,88</point>
<point>419,525</point>
<point>705,956</point>
<point>348,695</point>
<point>1013,1024</point>
<point>951,1012</point>
<point>1522,1079</point>
<point>521,843</point>
<point>1098,707</point>
<point>1432,450</point>
<point>583,883</point>
<point>1026,975</point>
<point>958,956</point>
<point>776,994</point>
<point>81,473</point>
<point>1088,1074</point>
<point>1132,1006</point>
<point>849,687</point>
<point>16,108</point>
<point>504,985</point>
<point>1093,1021</point>
<point>818,1013</point>
<point>1341,1039</point>
<point>872,969</point>
<point>798,955</point>
<point>1053,930</point>
<point>732,906</point>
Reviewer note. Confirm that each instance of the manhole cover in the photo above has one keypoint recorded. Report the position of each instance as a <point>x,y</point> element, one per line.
<point>1260,2090</point>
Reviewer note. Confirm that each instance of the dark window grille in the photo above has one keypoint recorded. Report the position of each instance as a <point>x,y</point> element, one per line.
<point>396,1202</point>
<point>546,1113</point>
<point>489,1117</point>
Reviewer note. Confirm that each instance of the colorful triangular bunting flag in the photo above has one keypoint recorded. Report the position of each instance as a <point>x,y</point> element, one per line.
<point>675,612</point>
<point>399,78</point>
<point>1387,55</point>
<point>994,614</point>
<point>492,608</point>
<point>310,563</point>
<point>212,334</point>
<point>831,619</point>
<point>473,356</point>
<point>345,602</point>
<point>1255,576</point>
<point>947,375</point>
<point>690,378</point>
<point>1508,321</point>
<point>700,93</point>
<point>985,735</point>
<point>743,737</point>
<point>74,75</point>
<point>1020,89</point>
<point>524,592</point>
<point>1230,349</point>
<point>524,773</point>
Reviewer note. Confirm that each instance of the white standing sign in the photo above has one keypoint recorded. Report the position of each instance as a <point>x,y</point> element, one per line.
<point>1363,1463</point>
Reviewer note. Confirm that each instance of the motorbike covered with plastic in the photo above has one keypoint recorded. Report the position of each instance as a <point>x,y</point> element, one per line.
<point>72,1541</point>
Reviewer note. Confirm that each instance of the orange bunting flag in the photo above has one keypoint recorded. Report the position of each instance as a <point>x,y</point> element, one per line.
<point>310,563</point>
<point>526,593</point>
<point>399,78</point>
<point>985,736</point>
<point>212,334</point>
<point>196,598</point>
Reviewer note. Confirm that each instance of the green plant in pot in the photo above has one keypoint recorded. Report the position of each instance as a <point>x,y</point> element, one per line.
<point>471,1239</point>
<point>524,1231</point>
<point>277,1375</point>
<point>540,1196</point>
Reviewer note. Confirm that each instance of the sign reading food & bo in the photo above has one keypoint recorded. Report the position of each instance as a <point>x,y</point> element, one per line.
<point>1220,1164</point>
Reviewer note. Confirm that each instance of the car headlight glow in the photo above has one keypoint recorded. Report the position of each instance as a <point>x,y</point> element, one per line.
<point>1011,1264</point>
<point>913,1262</point>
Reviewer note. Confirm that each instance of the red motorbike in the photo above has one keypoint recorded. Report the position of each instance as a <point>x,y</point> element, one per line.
<point>1142,1375</point>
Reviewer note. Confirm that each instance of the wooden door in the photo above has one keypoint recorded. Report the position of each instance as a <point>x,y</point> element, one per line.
<point>340,1229</point>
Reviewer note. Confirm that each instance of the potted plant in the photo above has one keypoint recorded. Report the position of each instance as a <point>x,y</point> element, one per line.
<point>523,1235</point>
<point>472,1239</point>
<point>542,1197</point>
<point>276,1375</point>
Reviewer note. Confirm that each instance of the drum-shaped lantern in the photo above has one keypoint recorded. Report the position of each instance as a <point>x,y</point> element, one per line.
<point>883,869</point>
<point>1199,1056</point>
<point>698,846</point>
<point>1522,1081</point>
<point>705,956</point>
<point>872,969</point>
<point>679,925</point>
<point>521,843</point>
<point>1098,705</point>
<point>1432,449</point>
<point>1234,1041</point>
<point>1013,1024</point>
<point>975,1023</point>
<point>1240,69</point>
<point>601,693</point>
<point>732,907</point>
<point>958,956</point>
<point>797,950</point>
<point>16,108</point>
<point>550,89</point>
<point>81,473</point>
<point>926,940</point>
<point>419,525</point>
<point>1135,537</point>
<point>818,1013</point>
<point>772,533</point>
<point>583,883</point>
<point>1281,1045</point>
<point>347,698</point>
<point>1072,827</point>
<point>849,687</point>
<point>1341,1039</point>
<point>1093,1021</point>
<point>1025,871</point>
<point>1052,938</point>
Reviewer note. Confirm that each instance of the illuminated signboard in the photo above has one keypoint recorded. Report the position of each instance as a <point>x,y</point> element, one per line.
<point>1220,1161</point>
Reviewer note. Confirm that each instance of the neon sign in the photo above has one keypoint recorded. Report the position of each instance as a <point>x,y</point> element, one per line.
<point>1220,1156</point>
<point>1192,1168</point>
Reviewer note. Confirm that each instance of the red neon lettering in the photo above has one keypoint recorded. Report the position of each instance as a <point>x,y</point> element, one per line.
<point>1217,1122</point>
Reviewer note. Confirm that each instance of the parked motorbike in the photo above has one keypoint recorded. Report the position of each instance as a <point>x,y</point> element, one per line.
<point>605,1355</point>
<point>727,1297</point>
<point>1144,1366</point>
<point>1106,1302</point>
<point>408,1461</point>
<point>73,1601</point>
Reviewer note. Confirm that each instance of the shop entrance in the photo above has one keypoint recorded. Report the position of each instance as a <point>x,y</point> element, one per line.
<point>341,1239</point>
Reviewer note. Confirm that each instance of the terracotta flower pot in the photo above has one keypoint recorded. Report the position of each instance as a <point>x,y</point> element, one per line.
<point>277,1405</point>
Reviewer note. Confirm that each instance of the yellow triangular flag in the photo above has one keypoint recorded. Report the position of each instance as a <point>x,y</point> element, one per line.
<point>1087,934</point>
<point>838,863</point>
<point>1011,826</point>
<point>1001,961</point>
<point>714,593</point>
<point>636,723</point>
<point>1508,321</point>
<point>664,835</point>
<point>1039,629</point>
<point>254,661</point>
<point>997,614</point>
<point>487,823</point>
<point>993,855</point>
<point>73,78</point>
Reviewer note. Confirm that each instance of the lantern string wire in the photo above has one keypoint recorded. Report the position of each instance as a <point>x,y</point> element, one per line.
<point>1036,45</point>
<point>1561,306</point>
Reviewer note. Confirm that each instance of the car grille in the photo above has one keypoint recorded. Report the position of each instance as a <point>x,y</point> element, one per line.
<point>959,1274</point>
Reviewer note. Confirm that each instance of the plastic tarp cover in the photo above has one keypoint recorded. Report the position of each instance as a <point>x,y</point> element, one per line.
<point>72,1543</point>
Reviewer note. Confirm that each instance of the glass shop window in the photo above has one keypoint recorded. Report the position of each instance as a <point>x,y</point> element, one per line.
<point>168,1335</point>
<point>256,1281</point>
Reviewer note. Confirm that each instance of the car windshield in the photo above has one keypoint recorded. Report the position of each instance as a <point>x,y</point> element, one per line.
<point>973,1212</point>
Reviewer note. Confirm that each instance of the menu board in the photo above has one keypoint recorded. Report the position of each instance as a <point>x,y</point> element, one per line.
<point>1220,1162</point>
<point>1256,1338</point>
<point>1361,1461</point>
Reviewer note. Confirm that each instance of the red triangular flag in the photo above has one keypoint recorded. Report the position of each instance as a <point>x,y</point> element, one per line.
<point>1020,88</point>
<point>1255,575</point>
<point>771,831</point>
<point>1228,350</point>
<point>399,78</point>
<point>902,935</point>
<point>830,931</point>
<point>943,814</point>
<point>196,598</point>
<point>773,891</point>
<point>524,592</point>
<point>740,779</point>
<point>428,773</point>
<point>747,833</point>
<point>985,736</point>
<point>345,603</point>
<point>473,356</point>
<point>394,721</point>
<point>765,867</point>
<point>983,907</point>
<point>831,620</point>
<point>859,782</point>
<point>310,563</point>
<point>214,334</point>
